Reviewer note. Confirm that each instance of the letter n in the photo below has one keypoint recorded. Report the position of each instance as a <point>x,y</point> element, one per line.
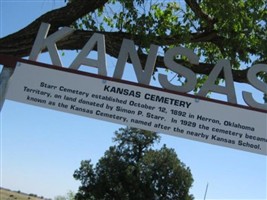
<point>128,50</point>
<point>100,62</point>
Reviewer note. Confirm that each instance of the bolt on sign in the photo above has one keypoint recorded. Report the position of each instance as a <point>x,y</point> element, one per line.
<point>166,110</point>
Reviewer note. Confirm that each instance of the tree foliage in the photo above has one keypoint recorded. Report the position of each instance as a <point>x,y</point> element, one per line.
<point>131,169</point>
<point>234,30</point>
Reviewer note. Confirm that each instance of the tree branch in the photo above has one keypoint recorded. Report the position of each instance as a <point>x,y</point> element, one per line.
<point>19,44</point>
<point>200,14</point>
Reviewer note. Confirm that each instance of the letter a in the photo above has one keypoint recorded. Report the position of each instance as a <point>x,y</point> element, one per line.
<point>210,85</point>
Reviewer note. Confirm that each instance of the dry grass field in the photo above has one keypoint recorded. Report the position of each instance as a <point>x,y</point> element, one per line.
<point>6,194</point>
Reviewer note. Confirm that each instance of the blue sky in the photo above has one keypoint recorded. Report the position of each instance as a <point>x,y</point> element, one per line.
<point>41,148</point>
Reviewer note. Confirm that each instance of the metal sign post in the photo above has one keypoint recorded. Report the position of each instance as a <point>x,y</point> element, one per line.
<point>4,77</point>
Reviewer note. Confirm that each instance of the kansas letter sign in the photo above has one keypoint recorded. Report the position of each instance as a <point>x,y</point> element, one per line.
<point>140,106</point>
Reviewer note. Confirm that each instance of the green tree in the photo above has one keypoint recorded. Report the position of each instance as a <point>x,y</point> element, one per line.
<point>131,169</point>
<point>234,30</point>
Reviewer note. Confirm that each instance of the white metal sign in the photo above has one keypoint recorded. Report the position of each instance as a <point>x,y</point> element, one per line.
<point>141,107</point>
<point>144,73</point>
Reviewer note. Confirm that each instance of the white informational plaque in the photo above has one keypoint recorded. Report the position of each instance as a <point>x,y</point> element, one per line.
<point>139,106</point>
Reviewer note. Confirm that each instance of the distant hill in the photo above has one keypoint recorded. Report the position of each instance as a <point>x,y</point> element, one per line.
<point>7,194</point>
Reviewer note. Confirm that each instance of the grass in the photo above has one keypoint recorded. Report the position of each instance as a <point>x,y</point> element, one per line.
<point>6,194</point>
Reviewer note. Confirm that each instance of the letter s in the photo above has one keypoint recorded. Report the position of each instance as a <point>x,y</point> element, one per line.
<point>254,81</point>
<point>179,69</point>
